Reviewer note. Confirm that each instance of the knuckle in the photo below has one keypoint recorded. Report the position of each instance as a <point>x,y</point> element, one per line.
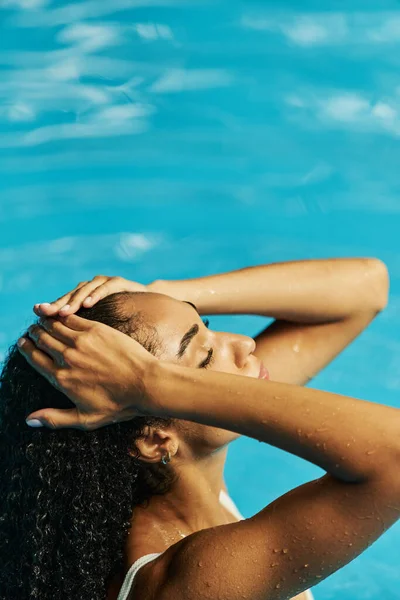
<point>85,423</point>
<point>61,378</point>
<point>54,326</point>
<point>92,326</point>
<point>68,356</point>
<point>50,423</point>
<point>36,333</point>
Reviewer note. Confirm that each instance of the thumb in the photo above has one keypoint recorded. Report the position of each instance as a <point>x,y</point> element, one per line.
<point>55,419</point>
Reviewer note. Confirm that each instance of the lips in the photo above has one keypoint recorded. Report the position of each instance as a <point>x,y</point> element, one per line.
<point>263,372</point>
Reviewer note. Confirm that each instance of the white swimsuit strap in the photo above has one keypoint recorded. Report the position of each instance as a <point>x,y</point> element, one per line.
<point>229,504</point>
<point>140,562</point>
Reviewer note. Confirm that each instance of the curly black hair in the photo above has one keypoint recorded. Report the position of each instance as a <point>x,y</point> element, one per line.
<point>67,496</point>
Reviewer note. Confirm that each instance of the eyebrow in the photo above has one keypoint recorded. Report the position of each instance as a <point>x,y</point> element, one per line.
<point>189,335</point>
<point>187,338</point>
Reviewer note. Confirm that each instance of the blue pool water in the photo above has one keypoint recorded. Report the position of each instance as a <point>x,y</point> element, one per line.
<point>170,139</point>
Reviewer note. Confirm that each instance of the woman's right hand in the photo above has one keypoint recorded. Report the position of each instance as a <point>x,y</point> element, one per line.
<point>101,370</point>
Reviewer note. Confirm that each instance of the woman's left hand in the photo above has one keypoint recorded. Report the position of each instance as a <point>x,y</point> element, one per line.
<point>86,294</point>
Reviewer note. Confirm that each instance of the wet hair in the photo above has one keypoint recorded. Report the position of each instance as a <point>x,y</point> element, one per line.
<point>67,495</point>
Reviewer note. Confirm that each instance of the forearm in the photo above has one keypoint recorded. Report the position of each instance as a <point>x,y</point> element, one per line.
<point>349,438</point>
<point>310,291</point>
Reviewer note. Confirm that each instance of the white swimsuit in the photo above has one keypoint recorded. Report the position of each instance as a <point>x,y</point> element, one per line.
<point>227,502</point>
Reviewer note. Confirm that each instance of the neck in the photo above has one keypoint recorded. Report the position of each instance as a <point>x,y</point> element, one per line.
<point>190,505</point>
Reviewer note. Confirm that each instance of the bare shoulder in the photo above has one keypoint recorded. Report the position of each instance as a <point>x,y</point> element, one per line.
<point>288,547</point>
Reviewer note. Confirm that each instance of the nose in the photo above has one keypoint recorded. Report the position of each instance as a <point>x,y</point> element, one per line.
<point>243,346</point>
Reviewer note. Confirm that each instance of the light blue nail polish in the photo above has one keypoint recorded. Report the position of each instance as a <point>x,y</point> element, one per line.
<point>34,423</point>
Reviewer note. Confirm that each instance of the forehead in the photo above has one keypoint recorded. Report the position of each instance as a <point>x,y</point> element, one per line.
<point>163,312</point>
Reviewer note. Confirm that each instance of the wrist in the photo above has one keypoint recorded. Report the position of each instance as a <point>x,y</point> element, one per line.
<point>185,290</point>
<point>156,380</point>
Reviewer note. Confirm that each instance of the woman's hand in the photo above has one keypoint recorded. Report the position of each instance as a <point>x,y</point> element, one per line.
<point>101,370</point>
<point>86,294</point>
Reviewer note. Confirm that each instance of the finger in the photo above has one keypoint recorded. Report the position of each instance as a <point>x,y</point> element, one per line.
<point>73,323</point>
<point>54,418</point>
<point>112,285</point>
<point>44,341</point>
<point>38,359</point>
<point>59,331</point>
<point>77,299</point>
<point>51,308</point>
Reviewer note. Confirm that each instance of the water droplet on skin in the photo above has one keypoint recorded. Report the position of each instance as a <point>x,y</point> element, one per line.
<point>274,564</point>
<point>285,551</point>
<point>276,551</point>
<point>296,348</point>
<point>370,452</point>
<point>278,585</point>
<point>200,564</point>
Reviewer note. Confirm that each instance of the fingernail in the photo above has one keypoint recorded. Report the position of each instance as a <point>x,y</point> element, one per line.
<point>21,342</point>
<point>45,304</point>
<point>34,423</point>
<point>64,308</point>
<point>87,300</point>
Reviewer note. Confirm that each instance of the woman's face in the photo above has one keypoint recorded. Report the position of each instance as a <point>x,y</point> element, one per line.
<point>187,341</point>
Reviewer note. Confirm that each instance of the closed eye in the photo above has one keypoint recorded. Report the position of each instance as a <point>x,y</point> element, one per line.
<point>208,360</point>
<point>210,353</point>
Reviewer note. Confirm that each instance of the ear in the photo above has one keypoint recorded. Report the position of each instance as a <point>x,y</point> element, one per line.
<point>155,443</point>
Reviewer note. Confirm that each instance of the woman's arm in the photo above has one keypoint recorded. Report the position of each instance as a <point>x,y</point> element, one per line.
<point>312,531</point>
<point>320,307</point>
<point>307,291</point>
<point>349,438</point>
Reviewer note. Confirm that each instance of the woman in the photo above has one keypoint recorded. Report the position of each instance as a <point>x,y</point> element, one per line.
<point>193,547</point>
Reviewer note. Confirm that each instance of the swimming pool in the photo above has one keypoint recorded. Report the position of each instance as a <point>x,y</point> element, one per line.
<point>170,139</point>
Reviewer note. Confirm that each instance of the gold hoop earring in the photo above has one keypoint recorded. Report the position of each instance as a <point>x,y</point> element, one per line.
<point>166,458</point>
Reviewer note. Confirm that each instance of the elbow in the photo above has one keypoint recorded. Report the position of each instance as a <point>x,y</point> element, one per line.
<point>378,283</point>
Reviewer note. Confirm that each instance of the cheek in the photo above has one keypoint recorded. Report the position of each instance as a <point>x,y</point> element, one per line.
<point>224,364</point>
